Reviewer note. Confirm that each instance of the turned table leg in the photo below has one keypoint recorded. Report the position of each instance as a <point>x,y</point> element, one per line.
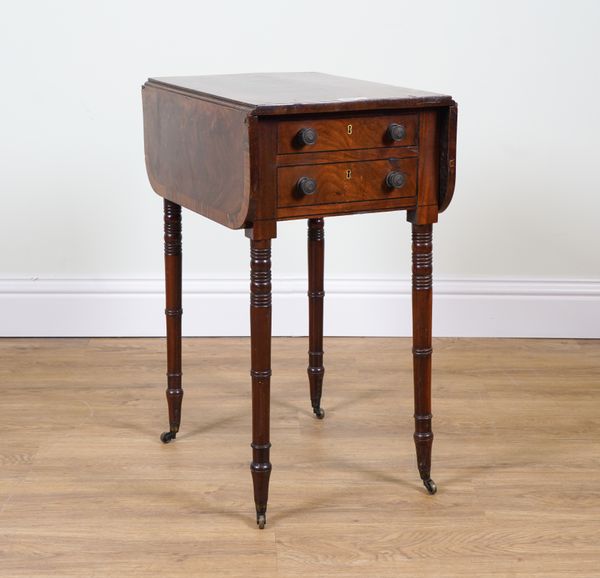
<point>422,261</point>
<point>173,311</point>
<point>260,332</point>
<point>316,371</point>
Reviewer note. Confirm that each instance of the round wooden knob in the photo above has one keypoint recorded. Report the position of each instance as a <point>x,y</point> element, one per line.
<point>395,179</point>
<point>306,136</point>
<point>396,131</point>
<point>306,186</point>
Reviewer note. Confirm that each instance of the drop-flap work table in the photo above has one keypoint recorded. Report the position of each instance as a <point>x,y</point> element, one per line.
<point>249,150</point>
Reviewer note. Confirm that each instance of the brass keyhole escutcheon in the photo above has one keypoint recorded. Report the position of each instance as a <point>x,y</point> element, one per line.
<point>349,129</point>
<point>348,174</point>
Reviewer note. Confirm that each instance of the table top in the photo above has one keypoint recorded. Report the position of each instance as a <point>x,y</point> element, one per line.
<point>299,92</point>
<point>233,147</point>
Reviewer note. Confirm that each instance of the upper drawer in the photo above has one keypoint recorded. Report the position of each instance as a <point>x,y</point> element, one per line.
<point>358,132</point>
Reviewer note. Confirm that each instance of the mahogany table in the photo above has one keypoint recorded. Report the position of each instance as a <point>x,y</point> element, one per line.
<point>248,150</point>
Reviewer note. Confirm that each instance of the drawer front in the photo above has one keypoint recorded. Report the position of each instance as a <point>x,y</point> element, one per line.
<point>344,182</point>
<point>333,134</point>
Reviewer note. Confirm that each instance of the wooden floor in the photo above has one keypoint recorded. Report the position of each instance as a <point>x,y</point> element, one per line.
<point>87,489</point>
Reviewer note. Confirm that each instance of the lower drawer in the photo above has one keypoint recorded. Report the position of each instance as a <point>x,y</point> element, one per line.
<point>345,182</point>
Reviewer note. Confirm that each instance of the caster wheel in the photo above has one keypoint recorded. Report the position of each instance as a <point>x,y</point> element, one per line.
<point>166,437</point>
<point>261,520</point>
<point>319,412</point>
<point>430,485</point>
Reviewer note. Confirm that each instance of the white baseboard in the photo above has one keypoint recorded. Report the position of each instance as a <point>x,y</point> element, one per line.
<point>369,307</point>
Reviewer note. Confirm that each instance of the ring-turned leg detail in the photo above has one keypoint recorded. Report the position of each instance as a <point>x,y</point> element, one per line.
<point>422,266</point>
<point>316,293</point>
<point>173,313</point>
<point>260,331</point>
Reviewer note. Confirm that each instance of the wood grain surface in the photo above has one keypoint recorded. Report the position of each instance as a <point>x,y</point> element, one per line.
<point>198,154</point>
<point>299,92</point>
<point>350,132</point>
<point>87,489</point>
<point>344,182</point>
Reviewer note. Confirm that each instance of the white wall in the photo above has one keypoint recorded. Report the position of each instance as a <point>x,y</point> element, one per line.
<point>78,214</point>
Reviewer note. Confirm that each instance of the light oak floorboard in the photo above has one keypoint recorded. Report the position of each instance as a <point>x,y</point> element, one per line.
<point>88,490</point>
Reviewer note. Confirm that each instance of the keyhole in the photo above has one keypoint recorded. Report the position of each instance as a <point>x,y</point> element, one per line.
<point>348,174</point>
<point>349,129</point>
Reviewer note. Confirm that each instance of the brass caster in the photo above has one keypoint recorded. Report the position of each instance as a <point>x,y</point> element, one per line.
<point>166,437</point>
<point>319,412</point>
<point>430,486</point>
<point>261,520</point>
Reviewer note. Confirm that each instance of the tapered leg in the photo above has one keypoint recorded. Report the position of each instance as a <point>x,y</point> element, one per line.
<point>260,331</point>
<point>316,371</point>
<point>422,259</point>
<point>173,312</point>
